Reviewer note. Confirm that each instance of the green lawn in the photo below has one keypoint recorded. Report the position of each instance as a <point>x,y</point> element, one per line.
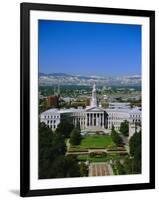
<point>93,142</point>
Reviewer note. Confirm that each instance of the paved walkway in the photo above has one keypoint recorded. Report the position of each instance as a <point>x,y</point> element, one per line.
<point>100,169</point>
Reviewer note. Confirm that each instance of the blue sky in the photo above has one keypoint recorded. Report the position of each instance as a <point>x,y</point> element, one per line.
<point>89,48</point>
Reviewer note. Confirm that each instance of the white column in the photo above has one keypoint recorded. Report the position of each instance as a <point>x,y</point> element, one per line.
<point>103,121</point>
<point>93,119</point>
<point>96,119</point>
<point>85,120</point>
<point>89,119</point>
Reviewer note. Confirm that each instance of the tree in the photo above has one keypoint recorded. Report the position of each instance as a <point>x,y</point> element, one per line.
<point>120,168</point>
<point>57,168</point>
<point>128,165</point>
<point>75,137</point>
<point>65,166</point>
<point>78,126</point>
<point>45,140</point>
<point>83,169</point>
<point>51,146</point>
<point>124,128</point>
<point>52,160</point>
<point>58,145</point>
<point>115,137</point>
<point>65,127</point>
<point>135,151</point>
<point>72,168</point>
<point>135,145</point>
<point>113,127</point>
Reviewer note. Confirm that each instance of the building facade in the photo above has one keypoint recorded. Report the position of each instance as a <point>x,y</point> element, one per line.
<point>95,118</point>
<point>53,101</point>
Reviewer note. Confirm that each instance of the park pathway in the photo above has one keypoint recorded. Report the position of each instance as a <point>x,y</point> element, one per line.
<point>100,169</point>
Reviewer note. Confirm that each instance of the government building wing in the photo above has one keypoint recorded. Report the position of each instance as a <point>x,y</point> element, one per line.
<point>94,118</point>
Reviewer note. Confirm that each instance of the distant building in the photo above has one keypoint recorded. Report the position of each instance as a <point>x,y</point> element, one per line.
<point>95,118</point>
<point>105,97</point>
<point>118,105</point>
<point>87,101</point>
<point>53,101</point>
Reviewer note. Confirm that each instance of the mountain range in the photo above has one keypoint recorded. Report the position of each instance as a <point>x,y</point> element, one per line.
<point>69,79</point>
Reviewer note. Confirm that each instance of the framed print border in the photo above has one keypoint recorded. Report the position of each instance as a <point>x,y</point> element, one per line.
<point>25,189</point>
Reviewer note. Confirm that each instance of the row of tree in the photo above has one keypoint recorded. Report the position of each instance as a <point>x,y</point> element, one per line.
<point>116,137</point>
<point>53,163</point>
<point>132,163</point>
<point>124,130</point>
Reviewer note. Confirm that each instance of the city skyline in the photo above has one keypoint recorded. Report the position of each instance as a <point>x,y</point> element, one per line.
<point>80,48</point>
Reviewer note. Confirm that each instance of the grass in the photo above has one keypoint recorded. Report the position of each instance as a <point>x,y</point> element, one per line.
<point>93,142</point>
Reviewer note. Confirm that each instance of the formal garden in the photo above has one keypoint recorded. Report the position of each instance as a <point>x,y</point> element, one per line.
<point>69,153</point>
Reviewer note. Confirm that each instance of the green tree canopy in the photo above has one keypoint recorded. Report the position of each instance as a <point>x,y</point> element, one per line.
<point>75,137</point>
<point>116,137</point>
<point>51,146</point>
<point>120,168</point>
<point>128,165</point>
<point>83,169</point>
<point>124,128</point>
<point>135,151</point>
<point>135,145</point>
<point>52,160</point>
<point>78,126</point>
<point>71,166</point>
<point>65,166</point>
<point>65,127</point>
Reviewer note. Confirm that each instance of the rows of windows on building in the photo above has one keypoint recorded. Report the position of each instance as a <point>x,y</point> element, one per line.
<point>93,116</point>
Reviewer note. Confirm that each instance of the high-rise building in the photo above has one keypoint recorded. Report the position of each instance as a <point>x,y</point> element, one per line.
<point>53,101</point>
